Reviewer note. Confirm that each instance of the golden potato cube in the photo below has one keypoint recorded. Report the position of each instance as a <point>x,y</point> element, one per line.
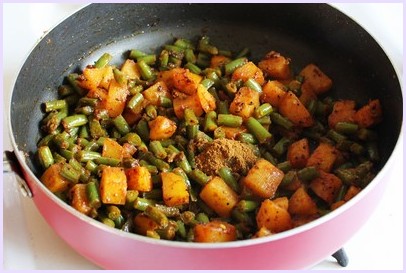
<point>53,180</point>
<point>215,231</point>
<point>273,217</point>
<point>130,69</point>
<point>219,196</point>
<point>300,203</point>
<point>79,199</point>
<point>273,92</point>
<point>155,92</point>
<point>139,178</point>
<point>323,157</point>
<point>248,71</point>
<point>174,189</point>
<point>276,66</point>
<point>113,185</point>
<point>263,179</point>
<point>244,103</point>
<point>316,79</point>
<point>161,128</point>
<point>112,149</point>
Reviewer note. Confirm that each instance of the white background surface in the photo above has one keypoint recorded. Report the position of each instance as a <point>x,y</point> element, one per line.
<point>29,243</point>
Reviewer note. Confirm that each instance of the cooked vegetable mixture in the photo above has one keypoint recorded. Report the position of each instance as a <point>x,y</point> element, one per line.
<point>201,144</point>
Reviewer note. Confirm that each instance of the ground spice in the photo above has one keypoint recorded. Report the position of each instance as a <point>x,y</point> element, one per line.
<point>222,152</point>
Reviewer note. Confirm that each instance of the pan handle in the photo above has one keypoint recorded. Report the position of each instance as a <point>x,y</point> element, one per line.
<point>12,166</point>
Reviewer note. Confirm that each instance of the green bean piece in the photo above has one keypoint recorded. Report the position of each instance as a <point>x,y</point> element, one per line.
<point>84,132</point>
<point>149,59</point>
<point>70,173</point>
<point>281,120</point>
<point>348,176</point>
<point>284,166</point>
<point>107,221</point>
<point>223,107</point>
<point>247,138</point>
<point>58,158</point>
<point>181,172</point>
<point>157,149</point>
<point>168,211</point>
<point>219,133</point>
<point>193,68</point>
<point>103,60</point>
<point>205,46</point>
<point>146,71</point>
<point>254,85</point>
<point>203,60</point>
<point>142,203</point>
<point>210,121</point>
<point>234,64</point>
<point>165,102</point>
<point>268,156</point>
<point>113,212</point>
<point>130,197</point>
<point>202,218</point>
<point>135,53</point>
<point>260,133</point>
<point>341,192</point>
<point>65,90</point>
<point>242,217</point>
<point>229,120</point>
<point>142,129</point>
<point>288,178</point>
<point>181,230</point>
<point>121,124</point>
<point>357,148</point>
<point>308,174</point>
<point>281,146</point>
<point>62,140</point>
<point>135,101</point>
<point>72,79</point>
<point>136,89</point>
<point>346,128</point>
<point>93,195</point>
<point>158,216</point>
<point>184,43</point>
<point>191,131</point>
<point>190,56</point>
<point>66,153</point>
<point>190,117</point>
<point>152,169</point>
<point>45,140</point>
<point>132,138</point>
<point>84,156</point>
<point>207,83</point>
<point>228,177</point>
<point>74,121</point>
<point>114,162</point>
<point>55,105</point>
<point>45,156</point>
<point>159,163</point>
<point>182,162</point>
<point>199,177</point>
<point>335,136</point>
<point>247,205</point>
<point>367,134</point>
<point>311,106</point>
<point>91,166</point>
<point>263,110</point>
<point>372,150</point>
<point>151,111</point>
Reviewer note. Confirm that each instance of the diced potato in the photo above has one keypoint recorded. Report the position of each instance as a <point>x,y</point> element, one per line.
<point>276,66</point>
<point>96,77</point>
<point>213,232</point>
<point>307,94</point>
<point>154,92</point>
<point>351,192</point>
<point>244,102</point>
<point>207,101</point>
<point>116,98</point>
<point>316,79</point>
<point>343,111</point>
<point>130,69</point>
<point>262,232</point>
<point>326,186</point>
<point>282,202</point>
<point>323,157</point>
<point>299,220</point>
<point>79,199</point>
<point>337,204</point>
<point>301,203</point>
<point>97,93</point>
<point>273,92</point>
<point>142,224</point>
<point>113,185</point>
<point>273,217</point>
<point>174,189</point>
<point>219,196</point>
<point>233,132</point>
<point>218,61</point>
<point>263,179</point>
<point>298,153</point>
<point>248,71</point>
<point>181,102</point>
<point>293,109</point>
<point>131,117</point>
<point>112,149</point>
<point>139,178</point>
<point>369,114</point>
<point>53,179</point>
<point>161,128</point>
<point>185,81</point>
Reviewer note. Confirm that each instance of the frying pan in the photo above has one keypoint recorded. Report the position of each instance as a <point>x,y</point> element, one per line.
<point>306,33</point>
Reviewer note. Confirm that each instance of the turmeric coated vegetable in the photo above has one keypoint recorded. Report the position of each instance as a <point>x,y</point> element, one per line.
<point>196,143</point>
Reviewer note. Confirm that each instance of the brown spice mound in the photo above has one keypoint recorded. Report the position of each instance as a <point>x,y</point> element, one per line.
<point>238,156</point>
